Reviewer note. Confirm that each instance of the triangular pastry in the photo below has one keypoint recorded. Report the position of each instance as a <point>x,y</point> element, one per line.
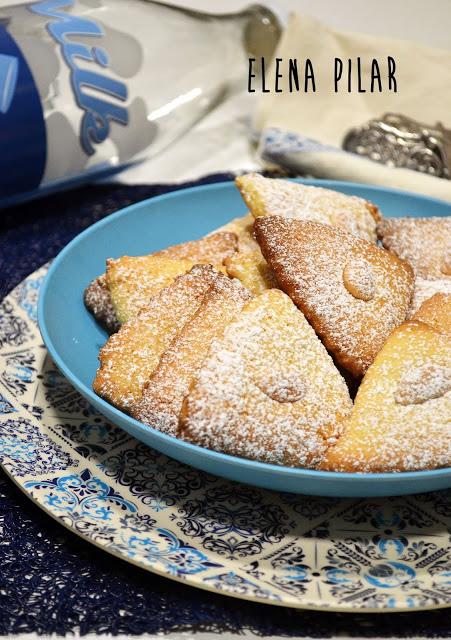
<point>134,280</point>
<point>269,196</point>
<point>401,419</point>
<point>436,312</point>
<point>268,390</point>
<point>352,292</point>
<point>130,356</point>
<point>163,394</point>
<point>212,249</point>
<point>252,269</point>
<point>425,289</point>
<point>425,243</point>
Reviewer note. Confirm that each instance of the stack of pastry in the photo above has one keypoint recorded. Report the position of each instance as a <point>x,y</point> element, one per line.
<point>253,340</point>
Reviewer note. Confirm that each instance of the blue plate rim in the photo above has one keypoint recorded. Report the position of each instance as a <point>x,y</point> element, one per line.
<point>87,392</point>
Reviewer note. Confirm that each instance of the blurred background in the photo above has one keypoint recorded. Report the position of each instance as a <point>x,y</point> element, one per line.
<point>220,140</point>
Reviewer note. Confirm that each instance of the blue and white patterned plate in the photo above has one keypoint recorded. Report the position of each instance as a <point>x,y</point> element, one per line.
<point>136,503</point>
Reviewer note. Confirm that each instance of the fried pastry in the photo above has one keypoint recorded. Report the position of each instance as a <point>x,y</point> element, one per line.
<point>423,242</point>
<point>268,390</point>
<point>401,419</point>
<point>130,356</point>
<point>243,228</point>
<point>352,292</point>
<point>163,394</point>
<point>97,299</point>
<point>269,196</point>
<point>212,249</point>
<point>132,281</point>
<point>436,312</point>
<point>253,271</point>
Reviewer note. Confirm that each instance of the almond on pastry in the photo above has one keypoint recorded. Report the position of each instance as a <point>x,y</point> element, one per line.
<point>401,419</point>
<point>267,390</point>
<point>273,196</point>
<point>129,357</point>
<point>163,393</point>
<point>351,291</point>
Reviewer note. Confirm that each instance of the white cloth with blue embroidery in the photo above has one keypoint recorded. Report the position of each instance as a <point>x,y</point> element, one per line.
<point>304,131</point>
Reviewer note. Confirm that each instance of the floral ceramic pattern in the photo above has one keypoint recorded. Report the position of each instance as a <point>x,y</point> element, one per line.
<point>169,518</point>
<point>26,294</point>
<point>234,521</point>
<point>14,329</point>
<point>158,481</point>
<point>26,451</point>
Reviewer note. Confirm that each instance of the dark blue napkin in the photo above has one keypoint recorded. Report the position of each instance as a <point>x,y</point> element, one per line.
<point>51,581</point>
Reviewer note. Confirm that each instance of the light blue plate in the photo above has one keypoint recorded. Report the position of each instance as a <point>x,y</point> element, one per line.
<point>73,338</point>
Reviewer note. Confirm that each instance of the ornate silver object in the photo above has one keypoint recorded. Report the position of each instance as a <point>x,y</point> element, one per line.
<point>398,141</point>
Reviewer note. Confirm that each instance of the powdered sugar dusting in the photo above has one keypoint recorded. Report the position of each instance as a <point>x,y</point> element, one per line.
<point>436,312</point>
<point>269,196</point>
<point>130,356</point>
<point>425,289</point>
<point>424,242</point>
<point>358,279</point>
<point>384,434</point>
<point>445,266</point>
<point>422,384</point>
<point>133,281</point>
<point>282,383</point>
<point>213,249</point>
<point>233,404</point>
<point>163,394</point>
<point>97,299</point>
<point>308,260</point>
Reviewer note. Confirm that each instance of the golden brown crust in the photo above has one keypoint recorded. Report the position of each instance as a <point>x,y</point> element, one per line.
<point>436,312</point>
<point>213,249</point>
<point>134,280</point>
<point>401,415</point>
<point>269,196</point>
<point>130,356</point>
<point>252,270</point>
<point>425,289</point>
<point>97,299</point>
<point>244,229</point>
<point>425,243</point>
<point>267,390</point>
<point>321,268</point>
<point>163,394</point>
